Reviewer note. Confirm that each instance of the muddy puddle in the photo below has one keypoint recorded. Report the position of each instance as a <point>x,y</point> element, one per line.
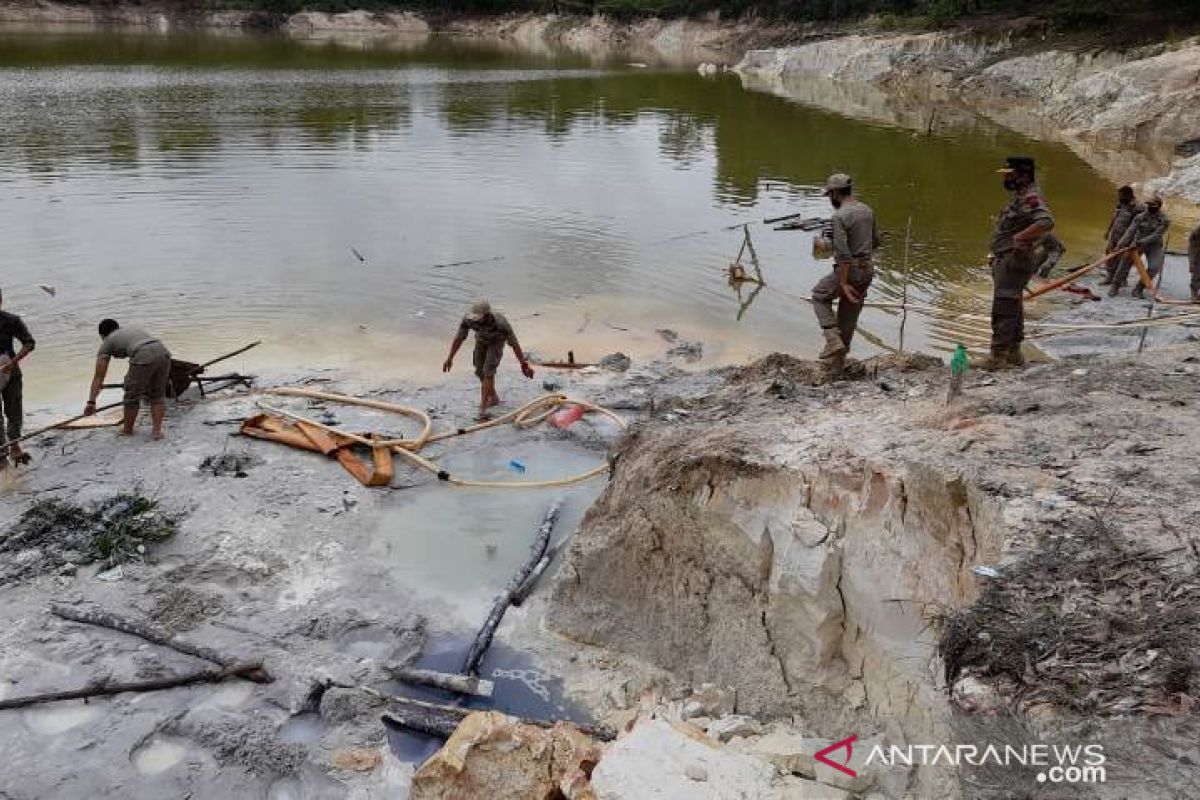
<point>522,689</point>
<point>462,545</point>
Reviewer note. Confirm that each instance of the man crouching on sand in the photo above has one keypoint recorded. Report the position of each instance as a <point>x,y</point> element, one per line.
<point>492,332</point>
<point>148,375</point>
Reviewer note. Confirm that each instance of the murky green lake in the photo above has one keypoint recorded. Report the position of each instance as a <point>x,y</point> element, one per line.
<point>319,196</point>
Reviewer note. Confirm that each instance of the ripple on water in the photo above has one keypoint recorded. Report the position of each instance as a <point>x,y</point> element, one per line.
<point>158,755</point>
<point>58,718</point>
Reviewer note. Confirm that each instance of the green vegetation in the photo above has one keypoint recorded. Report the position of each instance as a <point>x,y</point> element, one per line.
<point>889,13</point>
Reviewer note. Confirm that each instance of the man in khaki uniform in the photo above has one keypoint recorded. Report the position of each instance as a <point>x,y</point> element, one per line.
<point>147,377</point>
<point>1147,232</point>
<point>1194,262</point>
<point>1127,208</point>
<point>1023,222</point>
<point>492,332</point>
<point>855,239</point>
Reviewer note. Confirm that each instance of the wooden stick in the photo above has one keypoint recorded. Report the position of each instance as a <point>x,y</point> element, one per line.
<point>1153,301</point>
<point>904,285</point>
<point>57,425</point>
<point>437,717</point>
<point>525,589</point>
<point>247,671</point>
<point>90,615</point>
<point>218,359</point>
<point>449,681</point>
<point>773,220</point>
<point>483,639</point>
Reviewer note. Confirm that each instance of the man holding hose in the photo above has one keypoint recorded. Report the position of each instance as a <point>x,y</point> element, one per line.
<point>492,332</point>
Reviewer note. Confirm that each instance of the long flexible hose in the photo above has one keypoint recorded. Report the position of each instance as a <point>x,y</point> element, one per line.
<point>528,415</point>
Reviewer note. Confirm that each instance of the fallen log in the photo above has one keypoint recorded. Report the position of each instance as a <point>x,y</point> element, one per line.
<point>483,639</point>
<point>103,689</point>
<point>90,615</point>
<point>526,588</point>
<point>432,718</point>
<point>448,681</point>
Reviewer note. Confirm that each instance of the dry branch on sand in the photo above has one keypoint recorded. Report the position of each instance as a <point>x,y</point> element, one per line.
<point>1089,623</point>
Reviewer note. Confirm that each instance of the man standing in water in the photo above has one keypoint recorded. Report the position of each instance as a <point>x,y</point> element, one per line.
<point>1148,233</point>
<point>12,328</point>
<point>1020,225</point>
<point>492,332</point>
<point>1127,208</point>
<point>855,239</point>
<point>147,377</point>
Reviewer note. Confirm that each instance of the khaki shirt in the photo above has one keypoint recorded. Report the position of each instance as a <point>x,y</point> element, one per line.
<point>855,234</point>
<point>1122,216</point>
<point>124,343</point>
<point>492,331</point>
<point>1026,208</point>
<point>1147,230</point>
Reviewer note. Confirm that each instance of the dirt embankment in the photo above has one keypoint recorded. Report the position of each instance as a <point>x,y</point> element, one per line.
<point>824,549</point>
<point>1133,112</point>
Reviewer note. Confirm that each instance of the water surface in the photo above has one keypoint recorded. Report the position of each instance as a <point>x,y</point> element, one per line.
<point>219,189</point>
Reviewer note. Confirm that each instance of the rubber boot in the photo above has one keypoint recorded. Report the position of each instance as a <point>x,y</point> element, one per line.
<point>1139,292</point>
<point>1114,290</point>
<point>1015,358</point>
<point>18,456</point>
<point>835,348</point>
<point>998,360</point>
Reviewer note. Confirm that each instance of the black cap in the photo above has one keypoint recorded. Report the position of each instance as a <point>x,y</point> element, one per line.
<point>1019,164</point>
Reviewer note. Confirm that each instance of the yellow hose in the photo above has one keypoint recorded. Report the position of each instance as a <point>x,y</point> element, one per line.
<point>528,415</point>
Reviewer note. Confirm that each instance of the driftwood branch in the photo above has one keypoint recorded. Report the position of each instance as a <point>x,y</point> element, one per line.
<point>90,615</point>
<point>436,719</point>
<point>248,671</point>
<point>483,639</point>
<point>449,681</point>
<point>527,586</point>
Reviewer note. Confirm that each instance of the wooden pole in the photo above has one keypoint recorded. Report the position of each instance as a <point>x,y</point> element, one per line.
<point>448,681</point>
<point>904,285</point>
<point>433,718</point>
<point>103,689</point>
<point>57,425</point>
<point>219,359</point>
<point>1153,301</point>
<point>483,639</point>
<point>90,615</point>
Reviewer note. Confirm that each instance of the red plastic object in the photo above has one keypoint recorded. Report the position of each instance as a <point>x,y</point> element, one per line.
<point>566,416</point>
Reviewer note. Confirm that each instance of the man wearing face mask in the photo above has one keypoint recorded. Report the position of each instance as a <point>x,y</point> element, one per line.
<point>1127,208</point>
<point>855,238</point>
<point>1148,233</point>
<point>1022,223</point>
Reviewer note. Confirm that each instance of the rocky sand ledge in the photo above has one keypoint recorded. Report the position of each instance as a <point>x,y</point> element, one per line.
<point>777,562</point>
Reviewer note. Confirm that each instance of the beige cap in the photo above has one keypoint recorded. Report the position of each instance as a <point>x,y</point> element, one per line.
<point>480,308</point>
<point>838,180</point>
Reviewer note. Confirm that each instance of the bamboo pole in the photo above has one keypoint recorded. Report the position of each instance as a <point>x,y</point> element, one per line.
<point>61,423</point>
<point>904,285</point>
<point>247,671</point>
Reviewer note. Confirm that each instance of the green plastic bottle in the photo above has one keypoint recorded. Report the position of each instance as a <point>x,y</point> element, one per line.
<point>959,363</point>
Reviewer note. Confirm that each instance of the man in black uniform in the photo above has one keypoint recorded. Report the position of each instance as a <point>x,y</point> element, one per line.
<point>11,386</point>
<point>1024,221</point>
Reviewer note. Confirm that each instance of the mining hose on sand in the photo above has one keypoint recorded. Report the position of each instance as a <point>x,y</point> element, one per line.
<point>526,416</point>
